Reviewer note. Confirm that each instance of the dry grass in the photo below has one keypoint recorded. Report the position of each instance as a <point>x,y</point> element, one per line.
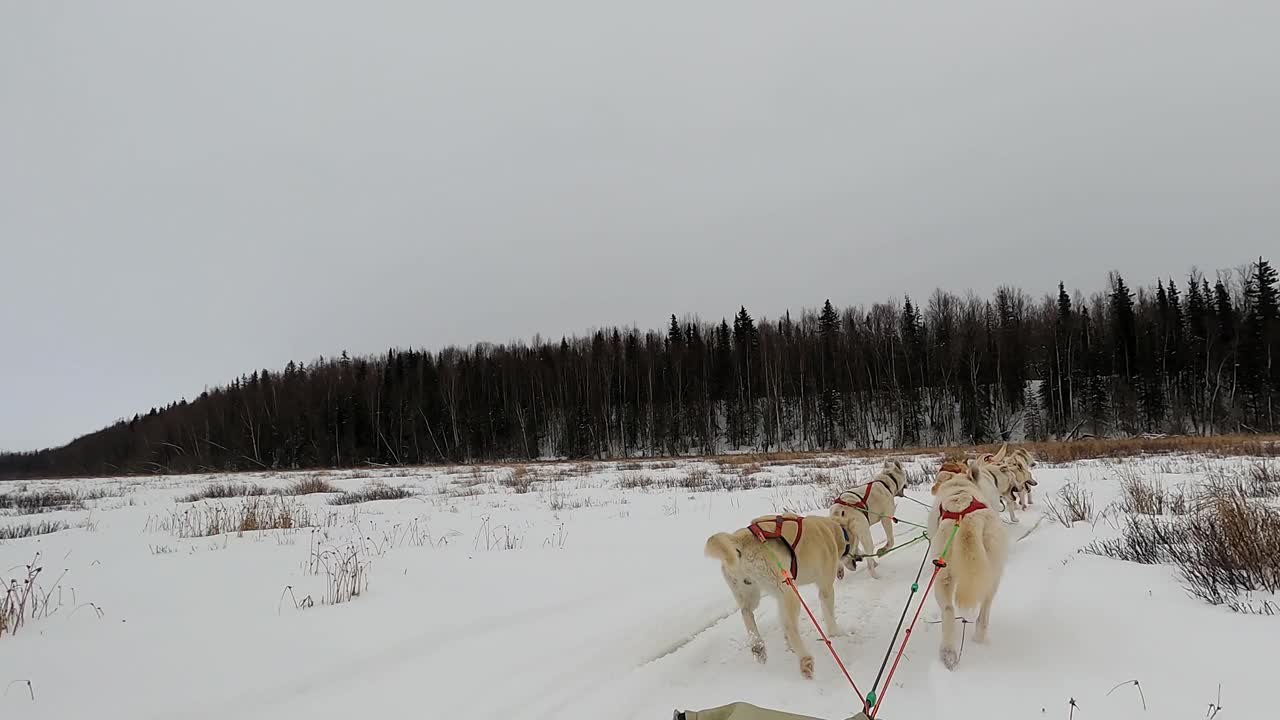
<point>17,596</point>
<point>921,476</point>
<point>1228,547</point>
<point>310,485</point>
<point>223,491</point>
<point>519,479</point>
<point>635,480</point>
<point>1262,481</point>
<point>39,501</point>
<point>26,530</point>
<point>695,479</point>
<point>369,493</point>
<point>1073,504</point>
<point>1142,496</point>
<point>346,571</point>
<point>254,513</point>
<point>1090,449</point>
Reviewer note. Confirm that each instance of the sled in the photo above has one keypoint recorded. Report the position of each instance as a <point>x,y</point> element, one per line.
<point>745,711</point>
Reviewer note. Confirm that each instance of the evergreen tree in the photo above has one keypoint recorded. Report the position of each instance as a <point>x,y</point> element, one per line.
<point>1125,336</point>
<point>1261,338</point>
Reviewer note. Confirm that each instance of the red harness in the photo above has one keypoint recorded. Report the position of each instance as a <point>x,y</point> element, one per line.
<point>958,516</point>
<point>861,504</point>
<point>776,534</point>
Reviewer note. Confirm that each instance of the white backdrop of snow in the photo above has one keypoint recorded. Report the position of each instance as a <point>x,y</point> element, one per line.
<point>607,609</point>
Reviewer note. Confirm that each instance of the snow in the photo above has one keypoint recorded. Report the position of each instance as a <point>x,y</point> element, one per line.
<point>602,606</point>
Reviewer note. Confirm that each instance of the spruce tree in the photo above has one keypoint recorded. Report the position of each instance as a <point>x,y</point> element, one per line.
<point>1261,334</point>
<point>1124,330</point>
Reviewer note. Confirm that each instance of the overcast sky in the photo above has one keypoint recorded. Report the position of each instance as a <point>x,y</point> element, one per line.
<point>193,190</point>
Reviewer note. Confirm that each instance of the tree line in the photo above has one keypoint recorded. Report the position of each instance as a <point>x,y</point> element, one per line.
<point>1195,356</point>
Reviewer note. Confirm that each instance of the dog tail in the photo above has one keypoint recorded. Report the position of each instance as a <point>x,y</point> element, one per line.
<point>969,562</point>
<point>724,547</point>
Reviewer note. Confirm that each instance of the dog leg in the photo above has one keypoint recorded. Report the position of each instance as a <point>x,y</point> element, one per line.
<point>887,524</point>
<point>868,544</point>
<point>827,594</point>
<point>947,651</point>
<point>1013,509</point>
<point>748,600</point>
<point>984,620</point>
<point>789,609</point>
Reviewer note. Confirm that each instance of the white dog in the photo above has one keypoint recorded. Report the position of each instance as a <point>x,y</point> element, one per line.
<point>1009,483</point>
<point>974,564</point>
<point>815,546</point>
<point>1020,463</point>
<point>857,509</point>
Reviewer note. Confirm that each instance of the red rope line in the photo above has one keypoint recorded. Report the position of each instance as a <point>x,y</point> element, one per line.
<point>787,576</point>
<point>937,567</point>
<point>791,583</point>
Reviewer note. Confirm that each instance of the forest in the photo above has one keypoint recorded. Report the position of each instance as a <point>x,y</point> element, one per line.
<point>1196,355</point>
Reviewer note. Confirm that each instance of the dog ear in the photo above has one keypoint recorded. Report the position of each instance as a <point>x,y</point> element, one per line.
<point>1003,449</point>
<point>975,472</point>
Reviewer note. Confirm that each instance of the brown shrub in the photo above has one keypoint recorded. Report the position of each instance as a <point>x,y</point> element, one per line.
<point>271,512</point>
<point>633,480</point>
<point>223,491</point>
<point>372,491</point>
<point>1074,504</point>
<point>1228,547</point>
<point>26,530</point>
<point>695,479</point>
<point>519,479</point>
<point>311,485</point>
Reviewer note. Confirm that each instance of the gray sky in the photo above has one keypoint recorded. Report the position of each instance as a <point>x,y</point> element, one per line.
<point>189,191</point>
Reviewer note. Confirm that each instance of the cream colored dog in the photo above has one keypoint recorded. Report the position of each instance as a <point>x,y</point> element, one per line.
<point>815,546</point>
<point>1020,463</point>
<point>1009,484</point>
<point>975,560</point>
<point>857,509</point>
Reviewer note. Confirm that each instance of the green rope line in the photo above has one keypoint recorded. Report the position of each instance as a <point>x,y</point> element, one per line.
<point>899,546</point>
<point>922,504</point>
<point>947,548</point>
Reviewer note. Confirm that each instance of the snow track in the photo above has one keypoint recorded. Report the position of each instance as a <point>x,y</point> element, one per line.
<point>603,607</point>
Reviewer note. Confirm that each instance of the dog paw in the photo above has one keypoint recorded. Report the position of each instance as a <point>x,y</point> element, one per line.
<point>950,657</point>
<point>836,631</point>
<point>757,649</point>
<point>806,667</point>
<point>980,637</point>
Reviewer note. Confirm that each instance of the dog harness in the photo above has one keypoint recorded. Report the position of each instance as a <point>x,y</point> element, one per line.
<point>861,502</point>
<point>762,530</point>
<point>778,532</point>
<point>974,506</point>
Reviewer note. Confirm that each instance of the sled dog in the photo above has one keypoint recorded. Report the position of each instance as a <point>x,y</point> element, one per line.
<point>1021,462</point>
<point>1008,483</point>
<point>974,564</point>
<point>814,546</point>
<point>857,509</point>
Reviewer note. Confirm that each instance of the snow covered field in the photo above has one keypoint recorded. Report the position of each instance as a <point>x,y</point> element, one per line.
<point>584,596</point>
